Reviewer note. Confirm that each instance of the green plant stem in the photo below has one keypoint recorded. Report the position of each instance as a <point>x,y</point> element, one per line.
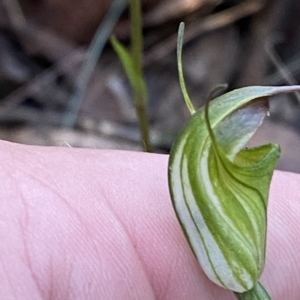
<point>136,35</point>
<point>258,292</point>
<point>185,94</point>
<point>136,54</point>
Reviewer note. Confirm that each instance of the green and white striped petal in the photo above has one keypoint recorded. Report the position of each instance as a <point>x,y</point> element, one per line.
<point>220,190</point>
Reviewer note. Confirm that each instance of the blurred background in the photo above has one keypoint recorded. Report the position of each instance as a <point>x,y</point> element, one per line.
<point>43,47</point>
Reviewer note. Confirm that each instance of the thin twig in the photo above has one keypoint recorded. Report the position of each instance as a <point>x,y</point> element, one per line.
<point>210,23</point>
<point>93,54</point>
<point>281,67</point>
<point>293,65</point>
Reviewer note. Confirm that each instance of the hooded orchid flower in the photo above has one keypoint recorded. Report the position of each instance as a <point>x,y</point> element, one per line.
<point>220,189</point>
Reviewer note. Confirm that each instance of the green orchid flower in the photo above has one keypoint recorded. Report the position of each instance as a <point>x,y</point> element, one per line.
<point>220,189</point>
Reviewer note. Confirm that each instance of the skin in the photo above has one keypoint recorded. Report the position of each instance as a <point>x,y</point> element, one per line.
<point>99,224</point>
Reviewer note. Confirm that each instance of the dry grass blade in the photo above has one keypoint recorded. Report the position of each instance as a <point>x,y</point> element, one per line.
<point>210,23</point>
<point>15,13</point>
